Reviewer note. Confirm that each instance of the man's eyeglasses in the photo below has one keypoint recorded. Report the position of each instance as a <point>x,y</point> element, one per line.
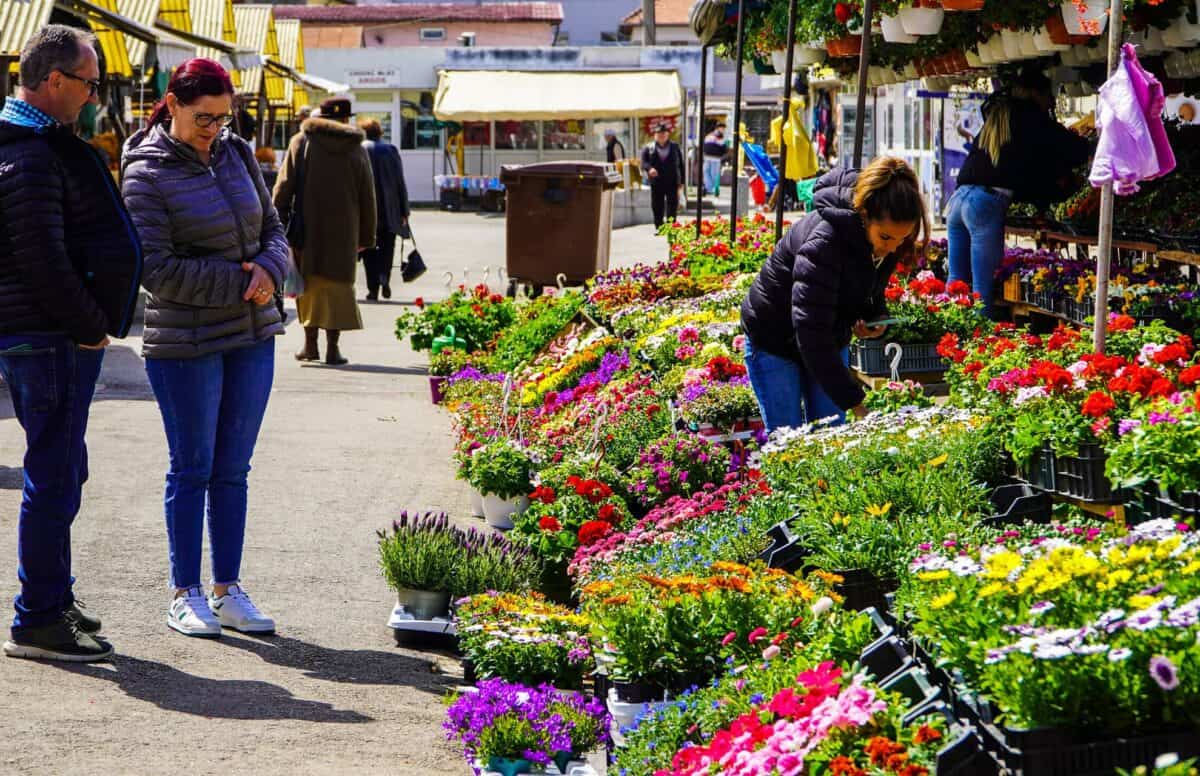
<point>93,86</point>
<point>206,120</point>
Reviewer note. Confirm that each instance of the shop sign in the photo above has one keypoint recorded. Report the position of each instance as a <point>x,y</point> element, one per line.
<point>374,78</point>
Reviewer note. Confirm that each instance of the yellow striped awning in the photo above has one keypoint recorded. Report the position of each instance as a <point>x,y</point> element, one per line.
<point>144,12</point>
<point>215,19</point>
<point>291,54</point>
<point>256,31</point>
<point>19,19</point>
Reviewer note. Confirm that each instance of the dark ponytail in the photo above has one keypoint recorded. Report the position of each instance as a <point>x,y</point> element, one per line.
<point>194,79</point>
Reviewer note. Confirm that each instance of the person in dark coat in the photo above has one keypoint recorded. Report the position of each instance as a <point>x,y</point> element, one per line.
<point>215,253</point>
<point>614,150</point>
<point>391,207</point>
<point>1021,155</point>
<point>70,264</point>
<point>825,282</point>
<point>662,165</point>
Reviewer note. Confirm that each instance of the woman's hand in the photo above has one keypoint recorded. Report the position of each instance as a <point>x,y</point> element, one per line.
<point>863,331</point>
<point>261,287</point>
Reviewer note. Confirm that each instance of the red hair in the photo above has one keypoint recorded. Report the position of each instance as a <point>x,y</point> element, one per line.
<point>194,79</point>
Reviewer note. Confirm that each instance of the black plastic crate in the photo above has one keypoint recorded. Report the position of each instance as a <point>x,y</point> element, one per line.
<point>869,358</point>
<point>1082,476</point>
<point>1040,470</point>
<point>1059,753</point>
<point>1043,299</point>
<point>1077,311</point>
<point>1149,501</point>
<point>1019,503</point>
<point>862,589</point>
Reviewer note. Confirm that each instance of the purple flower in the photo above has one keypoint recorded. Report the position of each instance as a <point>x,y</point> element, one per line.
<point>1041,608</point>
<point>1164,672</point>
<point>1127,425</point>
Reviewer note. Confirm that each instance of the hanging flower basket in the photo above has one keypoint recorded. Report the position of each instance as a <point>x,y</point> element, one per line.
<point>893,31</point>
<point>922,21</point>
<point>845,46</point>
<point>802,56</point>
<point>1045,43</point>
<point>1056,28</point>
<point>1085,17</point>
<point>963,5</point>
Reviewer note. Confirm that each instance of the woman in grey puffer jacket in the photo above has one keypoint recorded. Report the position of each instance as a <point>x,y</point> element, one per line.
<point>215,251</point>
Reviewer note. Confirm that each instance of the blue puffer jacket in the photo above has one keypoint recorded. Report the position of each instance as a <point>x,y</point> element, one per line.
<point>817,283</point>
<point>198,223</point>
<point>70,260</point>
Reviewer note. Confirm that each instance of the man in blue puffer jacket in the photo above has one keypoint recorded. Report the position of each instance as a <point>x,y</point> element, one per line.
<point>70,265</point>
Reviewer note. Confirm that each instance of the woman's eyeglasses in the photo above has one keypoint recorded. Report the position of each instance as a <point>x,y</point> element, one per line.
<point>206,120</point>
<point>93,86</point>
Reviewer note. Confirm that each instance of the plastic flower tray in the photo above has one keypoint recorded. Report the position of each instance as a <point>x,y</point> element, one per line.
<point>1019,503</point>
<point>870,359</point>
<point>1043,299</point>
<point>862,589</point>
<point>1082,476</point>
<point>1151,502</point>
<point>1039,472</point>
<point>1078,312</point>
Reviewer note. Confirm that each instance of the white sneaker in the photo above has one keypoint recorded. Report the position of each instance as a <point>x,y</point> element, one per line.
<point>189,614</point>
<point>236,610</point>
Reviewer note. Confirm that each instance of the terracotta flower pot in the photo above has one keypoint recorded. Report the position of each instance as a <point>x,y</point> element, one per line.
<point>846,46</point>
<point>963,5</point>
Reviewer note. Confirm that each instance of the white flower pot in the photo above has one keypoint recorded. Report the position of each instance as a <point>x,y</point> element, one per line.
<point>893,31</point>
<point>802,56</point>
<point>1093,21</point>
<point>499,512</point>
<point>476,503</point>
<point>1012,45</point>
<point>1045,45</point>
<point>625,714</point>
<point>424,604</point>
<point>910,72</point>
<point>1029,47</point>
<point>975,59</point>
<point>995,46</point>
<point>922,21</point>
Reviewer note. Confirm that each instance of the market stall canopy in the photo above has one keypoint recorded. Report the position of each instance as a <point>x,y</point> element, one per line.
<point>144,12</point>
<point>19,19</point>
<point>256,31</point>
<point>291,55</point>
<point>227,53</point>
<point>113,31</point>
<point>509,95</point>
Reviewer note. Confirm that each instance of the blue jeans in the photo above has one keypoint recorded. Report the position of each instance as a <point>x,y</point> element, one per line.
<point>51,382</point>
<point>712,175</point>
<point>212,408</point>
<point>975,229</point>
<point>788,396</point>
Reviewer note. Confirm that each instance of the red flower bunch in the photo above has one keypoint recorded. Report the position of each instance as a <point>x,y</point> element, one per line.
<point>928,286</point>
<point>609,514</point>
<point>1190,376</point>
<point>419,302</point>
<point>1062,337</point>
<point>1145,381</point>
<point>721,369</point>
<point>543,494</point>
<point>958,288</point>
<point>893,293</point>
<point>1098,404</point>
<point>720,250</point>
<point>948,348</point>
<point>1121,323</point>
<point>593,491</point>
<point>549,523</point>
<point>593,531</point>
<point>1176,351</point>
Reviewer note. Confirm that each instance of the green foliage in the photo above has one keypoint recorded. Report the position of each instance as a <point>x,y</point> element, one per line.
<point>501,468</point>
<point>477,316</point>
<point>537,324</point>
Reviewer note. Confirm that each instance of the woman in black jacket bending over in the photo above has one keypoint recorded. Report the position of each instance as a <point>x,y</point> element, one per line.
<point>824,282</point>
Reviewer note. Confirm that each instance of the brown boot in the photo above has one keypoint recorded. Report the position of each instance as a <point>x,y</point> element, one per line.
<point>310,351</point>
<point>333,356</point>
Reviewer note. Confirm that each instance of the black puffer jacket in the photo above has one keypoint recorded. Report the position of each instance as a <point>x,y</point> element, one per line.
<point>817,283</point>
<point>198,223</point>
<point>391,192</point>
<point>70,260</point>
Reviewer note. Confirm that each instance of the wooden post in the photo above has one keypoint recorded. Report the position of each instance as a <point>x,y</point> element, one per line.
<point>864,63</point>
<point>649,24</point>
<point>700,137</point>
<point>1104,260</point>
<point>787,114</point>
<point>737,121</point>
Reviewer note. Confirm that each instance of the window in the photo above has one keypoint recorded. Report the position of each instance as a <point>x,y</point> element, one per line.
<point>418,129</point>
<point>477,133</point>
<point>517,135</point>
<point>566,134</point>
<point>624,137</point>
<point>433,33</point>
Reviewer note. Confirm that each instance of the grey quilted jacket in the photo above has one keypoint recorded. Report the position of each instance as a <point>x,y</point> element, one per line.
<point>197,224</point>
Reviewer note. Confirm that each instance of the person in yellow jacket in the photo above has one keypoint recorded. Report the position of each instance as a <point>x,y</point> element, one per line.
<point>801,158</point>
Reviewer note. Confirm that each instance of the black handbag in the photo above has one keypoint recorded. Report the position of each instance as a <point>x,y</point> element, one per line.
<point>295,225</point>
<point>414,266</point>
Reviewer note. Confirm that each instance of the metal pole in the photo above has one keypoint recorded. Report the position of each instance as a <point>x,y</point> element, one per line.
<point>864,62</point>
<point>1100,331</point>
<point>700,137</point>
<point>737,121</point>
<point>787,115</point>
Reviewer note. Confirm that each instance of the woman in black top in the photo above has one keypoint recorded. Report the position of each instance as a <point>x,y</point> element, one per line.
<point>1021,155</point>
<point>824,281</point>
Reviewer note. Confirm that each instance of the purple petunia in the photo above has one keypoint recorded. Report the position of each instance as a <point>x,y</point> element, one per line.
<point>1164,672</point>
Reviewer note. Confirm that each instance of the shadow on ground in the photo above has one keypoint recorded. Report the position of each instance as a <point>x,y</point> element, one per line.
<point>12,477</point>
<point>173,690</point>
<point>371,368</point>
<point>348,666</point>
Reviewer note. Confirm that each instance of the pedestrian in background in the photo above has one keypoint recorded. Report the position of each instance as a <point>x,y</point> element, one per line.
<point>391,208</point>
<point>70,265</point>
<point>614,149</point>
<point>338,203</point>
<point>715,149</point>
<point>215,253</point>
<point>662,163</point>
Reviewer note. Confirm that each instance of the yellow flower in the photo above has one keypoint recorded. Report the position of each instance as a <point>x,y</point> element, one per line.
<point>1051,582</point>
<point>991,589</point>
<point>877,511</point>
<point>1166,547</point>
<point>1115,578</point>
<point>1142,601</point>
<point>1000,565</point>
<point>944,600</point>
<point>838,519</point>
<point>941,459</point>
<point>931,576</point>
<point>1191,568</point>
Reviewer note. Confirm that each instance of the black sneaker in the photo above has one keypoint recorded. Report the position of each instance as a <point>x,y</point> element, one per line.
<point>62,640</point>
<point>88,623</point>
<point>371,297</point>
<point>387,292</point>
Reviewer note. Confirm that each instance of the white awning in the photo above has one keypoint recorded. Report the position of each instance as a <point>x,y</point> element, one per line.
<point>508,95</point>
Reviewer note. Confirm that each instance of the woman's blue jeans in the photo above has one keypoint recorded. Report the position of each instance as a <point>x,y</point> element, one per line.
<point>975,230</point>
<point>788,395</point>
<point>212,408</point>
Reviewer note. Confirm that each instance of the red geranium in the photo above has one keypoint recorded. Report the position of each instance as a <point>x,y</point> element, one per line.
<point>549,523</point>
<point>1190,376</point>
<point>958,287</point>
<point>419,302</point>
<point>1121,323</point>
<point>544,494</point>
<point>608,513</point>
<point>893,293</point>
<point>593,531</point>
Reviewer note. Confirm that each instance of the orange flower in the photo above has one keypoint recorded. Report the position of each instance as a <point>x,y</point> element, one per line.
<point>617,600</point>
<point>724,567</point>
<point>925,734</point>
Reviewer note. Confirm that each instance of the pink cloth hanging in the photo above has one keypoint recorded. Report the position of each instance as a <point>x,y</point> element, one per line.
<point>1133,141</point>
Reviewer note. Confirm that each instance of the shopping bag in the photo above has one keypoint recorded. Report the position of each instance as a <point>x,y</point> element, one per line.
<point>293,284</point>
<point>414,266</point>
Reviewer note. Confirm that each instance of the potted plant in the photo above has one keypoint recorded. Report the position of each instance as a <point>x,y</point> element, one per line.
<point>441,366</point>
<point>676,465</point>
<point>489,561</point>
<point>418,558</point>
<point>500,471</point>
<point>922,18</point>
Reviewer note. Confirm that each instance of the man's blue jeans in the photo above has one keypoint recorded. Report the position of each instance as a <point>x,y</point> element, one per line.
<point>51,381</point>
<point>788,396</point>
<point>712,175</point>
<point>975,230</point>
<point>212,408</point>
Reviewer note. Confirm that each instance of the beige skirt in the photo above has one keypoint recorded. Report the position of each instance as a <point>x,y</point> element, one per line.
<point>327,304</point>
